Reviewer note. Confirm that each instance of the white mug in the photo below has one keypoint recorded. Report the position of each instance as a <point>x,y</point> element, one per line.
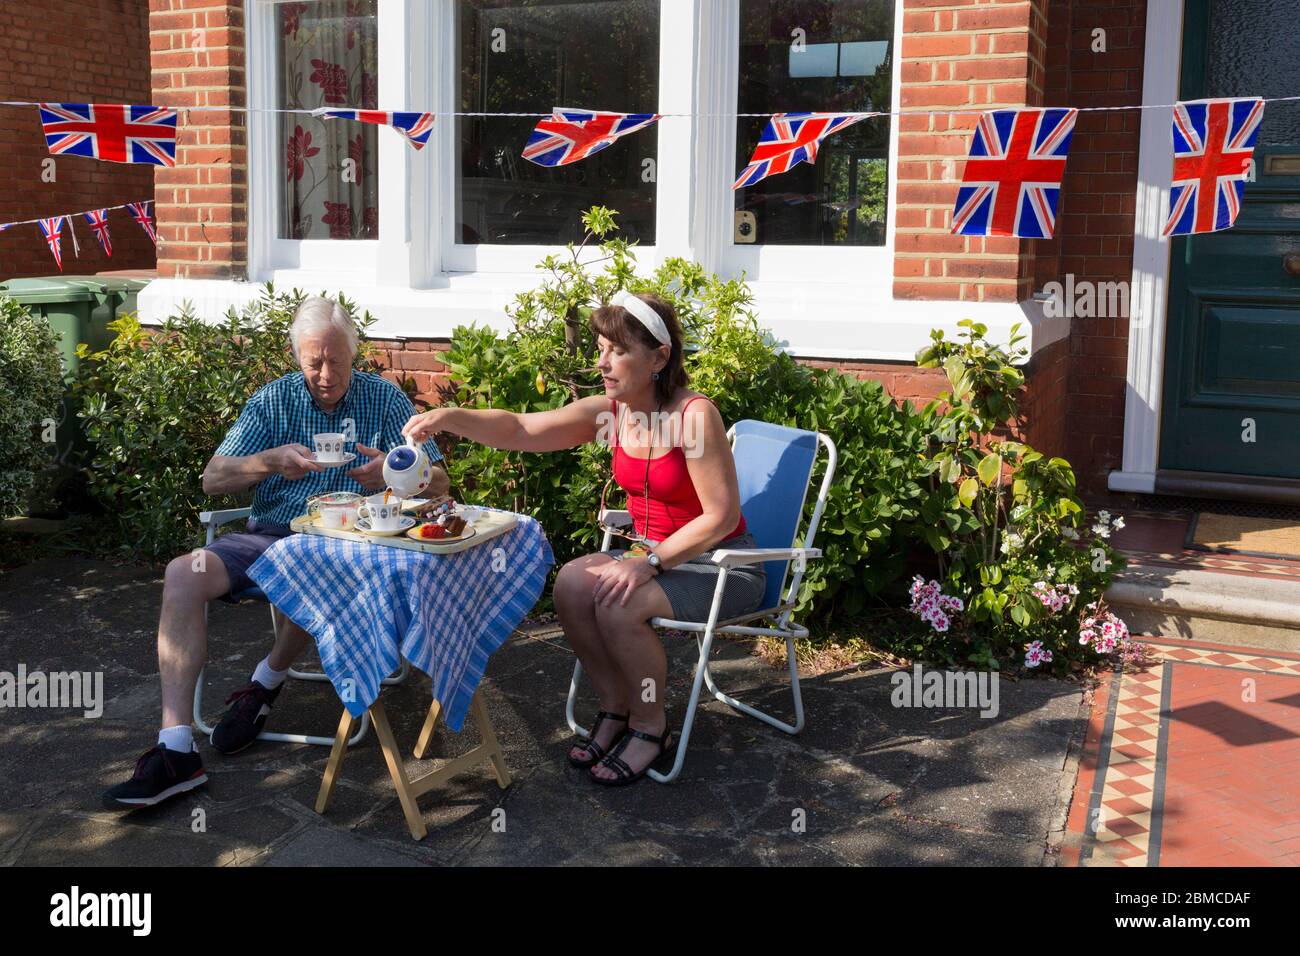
<point>383,517</point>
<point>329,446</point>
<point>407,470</point>
<point>341,517</point>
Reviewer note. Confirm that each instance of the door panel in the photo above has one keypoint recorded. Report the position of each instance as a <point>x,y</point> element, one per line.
<point>1232,362</point>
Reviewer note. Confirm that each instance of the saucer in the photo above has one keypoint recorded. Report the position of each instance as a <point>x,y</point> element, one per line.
<point>347,458</point>
<point>363,525</point>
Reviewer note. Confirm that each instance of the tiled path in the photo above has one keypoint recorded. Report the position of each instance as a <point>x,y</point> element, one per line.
<point>1194,761</point>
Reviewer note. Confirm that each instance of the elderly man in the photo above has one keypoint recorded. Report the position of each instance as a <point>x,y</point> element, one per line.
<point>269,447</point>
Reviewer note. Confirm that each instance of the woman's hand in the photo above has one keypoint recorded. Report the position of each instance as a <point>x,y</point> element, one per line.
<point>420,427</point>
<point>618,579</point>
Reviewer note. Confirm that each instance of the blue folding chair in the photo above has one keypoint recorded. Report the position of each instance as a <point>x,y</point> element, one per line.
<point>774,467</point>
<point>212,520</point>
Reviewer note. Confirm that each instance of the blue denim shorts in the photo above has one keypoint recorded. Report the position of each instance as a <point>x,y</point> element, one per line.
<point>238,550</point>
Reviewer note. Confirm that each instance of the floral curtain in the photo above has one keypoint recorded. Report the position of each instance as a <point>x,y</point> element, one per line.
<point>329,56</point>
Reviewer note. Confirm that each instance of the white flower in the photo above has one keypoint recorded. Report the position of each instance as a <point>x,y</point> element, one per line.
<point>1070,533</point>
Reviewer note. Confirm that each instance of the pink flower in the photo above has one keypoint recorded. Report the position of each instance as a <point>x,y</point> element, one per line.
<point>338,217</point>
<point>332,80</point>
<point>357,153</point>
<point>299,150</point>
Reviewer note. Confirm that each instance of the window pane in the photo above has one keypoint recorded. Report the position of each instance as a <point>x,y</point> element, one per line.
<point>530,56</point>
<point>329,56</point>
<point>825,56</point>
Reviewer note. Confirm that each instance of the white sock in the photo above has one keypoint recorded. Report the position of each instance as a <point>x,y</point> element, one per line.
<point>180,739</point>
<point>268,677</point>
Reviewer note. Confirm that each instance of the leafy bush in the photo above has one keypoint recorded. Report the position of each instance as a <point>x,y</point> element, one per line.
<point>547,362</point>
<point>1004,521</point>
<point>157,405</point>
<point>31,387</point>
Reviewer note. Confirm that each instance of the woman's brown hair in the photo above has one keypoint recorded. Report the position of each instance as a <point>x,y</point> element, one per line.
<point>621,327</point>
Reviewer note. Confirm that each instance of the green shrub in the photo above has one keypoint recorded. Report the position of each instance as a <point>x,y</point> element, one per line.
<point>31,388</point>
<point>156,406</point>
<point>1004,521</point>
<point>546,362</point>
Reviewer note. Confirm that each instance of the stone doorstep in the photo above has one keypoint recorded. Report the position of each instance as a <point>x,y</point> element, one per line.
<point>1260,612</point>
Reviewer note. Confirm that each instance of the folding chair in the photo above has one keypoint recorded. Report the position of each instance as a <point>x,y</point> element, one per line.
<point>774,466</point>
<point>212,520</point>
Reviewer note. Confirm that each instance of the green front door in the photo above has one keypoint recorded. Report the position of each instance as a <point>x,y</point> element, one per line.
<point>1232,359</point>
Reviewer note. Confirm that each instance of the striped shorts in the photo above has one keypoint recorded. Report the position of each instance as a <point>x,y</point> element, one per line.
<point>690,585</point>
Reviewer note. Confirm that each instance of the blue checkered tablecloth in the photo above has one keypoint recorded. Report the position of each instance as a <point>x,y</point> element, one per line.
<point>368,605</point>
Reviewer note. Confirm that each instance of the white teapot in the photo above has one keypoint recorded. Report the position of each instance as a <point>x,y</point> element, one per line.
<point>407,469</point>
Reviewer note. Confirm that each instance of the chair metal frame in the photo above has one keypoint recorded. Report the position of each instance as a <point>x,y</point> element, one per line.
<point>212,520</point>
<point>778,616</point>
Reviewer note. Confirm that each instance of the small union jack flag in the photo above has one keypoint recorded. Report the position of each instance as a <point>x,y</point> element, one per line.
<point>790,139</point>
<point>98,219</point>
<point>568,136</point>
<point>1214,144</point>
<point>416,127</point>
<point>1012,180</point>
<point>53,230</point>
<point>140,210</point>
<point>113,133</point>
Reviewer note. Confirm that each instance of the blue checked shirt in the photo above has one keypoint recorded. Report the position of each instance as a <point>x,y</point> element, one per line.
<point>283,412</point>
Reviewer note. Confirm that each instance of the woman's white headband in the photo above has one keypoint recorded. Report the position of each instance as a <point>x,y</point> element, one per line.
<point>648,316</point>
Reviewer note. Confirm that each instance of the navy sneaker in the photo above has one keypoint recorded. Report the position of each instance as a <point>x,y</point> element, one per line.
<point>244,721</point>
<point>159,774</point>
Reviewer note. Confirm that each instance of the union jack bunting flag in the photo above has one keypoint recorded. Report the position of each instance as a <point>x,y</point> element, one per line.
<point>1012,180</point>
<point>416,127</point>
<point>98,219</point>
<point>1214,143</point>
<point>568,136</point>
<point>53,231</point>
<point>113,133</point>
<point>140,210</point>
<point>790,139</point>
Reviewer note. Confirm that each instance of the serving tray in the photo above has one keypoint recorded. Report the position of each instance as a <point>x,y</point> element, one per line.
<point>491,524</point>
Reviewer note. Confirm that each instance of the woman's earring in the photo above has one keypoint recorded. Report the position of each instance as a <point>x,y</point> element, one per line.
<point>654,377</point>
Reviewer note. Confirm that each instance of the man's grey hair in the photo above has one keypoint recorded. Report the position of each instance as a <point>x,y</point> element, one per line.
<point>317,312</point>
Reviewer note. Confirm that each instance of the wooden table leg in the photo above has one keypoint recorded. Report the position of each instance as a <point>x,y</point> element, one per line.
<point>414,822</point>
<point>337,752</point>
<point>426,732</point>
<point>492,746</point>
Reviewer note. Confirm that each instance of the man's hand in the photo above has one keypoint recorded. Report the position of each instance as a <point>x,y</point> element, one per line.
<point>292,461</point>
<point>370,476</point>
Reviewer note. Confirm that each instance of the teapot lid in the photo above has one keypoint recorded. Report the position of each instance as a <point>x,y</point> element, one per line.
<point>402,457</point>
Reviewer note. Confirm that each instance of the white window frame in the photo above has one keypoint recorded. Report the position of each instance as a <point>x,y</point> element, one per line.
<point>392,259</point>
<point>818,301</point>
<point>869,265</point>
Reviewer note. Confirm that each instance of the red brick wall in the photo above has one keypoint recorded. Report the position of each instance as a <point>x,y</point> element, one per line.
<point>198,60</point>
<point>963,55</point>
<point>1094,240</point>
<point>72,51</point>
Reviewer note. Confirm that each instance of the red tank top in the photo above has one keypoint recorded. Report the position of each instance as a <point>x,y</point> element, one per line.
<point>672,498</point>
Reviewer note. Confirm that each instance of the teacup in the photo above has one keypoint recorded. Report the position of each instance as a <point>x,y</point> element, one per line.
<point>337,510</point>
<point>407,470</point>
<point>329,446</point>
<point>383,517</point>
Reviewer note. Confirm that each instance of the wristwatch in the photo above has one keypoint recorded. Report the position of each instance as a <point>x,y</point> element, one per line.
<point>655,563</point>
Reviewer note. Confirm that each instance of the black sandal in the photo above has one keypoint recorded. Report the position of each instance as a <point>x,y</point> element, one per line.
<point>667,744</point>
<point>591,746</point>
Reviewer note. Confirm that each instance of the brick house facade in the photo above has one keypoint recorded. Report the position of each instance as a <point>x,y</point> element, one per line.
<point>58,54</point>
<point>958,54</point>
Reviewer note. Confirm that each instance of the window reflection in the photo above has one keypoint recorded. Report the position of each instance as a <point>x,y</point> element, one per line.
<point>823,56</point>
<point>529,56</point>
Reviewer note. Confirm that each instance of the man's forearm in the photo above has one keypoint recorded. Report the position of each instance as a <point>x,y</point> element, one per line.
<point>230,474</point>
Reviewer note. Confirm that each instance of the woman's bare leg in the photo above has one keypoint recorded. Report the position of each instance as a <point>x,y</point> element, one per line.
<point>638,653</point>
<point>576,608</point>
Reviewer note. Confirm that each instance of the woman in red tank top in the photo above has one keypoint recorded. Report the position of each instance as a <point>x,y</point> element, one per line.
<point>672,457</point>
